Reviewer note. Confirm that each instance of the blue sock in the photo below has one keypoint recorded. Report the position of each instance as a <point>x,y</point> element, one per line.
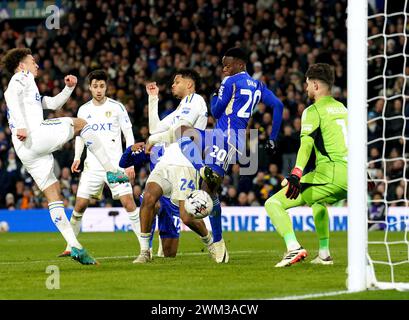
<point>152,232</point>
<point>216,220</point>
<point>192,152</point>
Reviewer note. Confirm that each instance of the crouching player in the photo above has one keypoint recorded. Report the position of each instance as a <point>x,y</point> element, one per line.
<point>232,109</point>
<point>167,212</point>
<point>173,176</point>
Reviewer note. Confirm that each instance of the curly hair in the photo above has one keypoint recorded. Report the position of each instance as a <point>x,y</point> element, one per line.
<point>323,72</point>
<point>13,57</point>
<point>190,74</point>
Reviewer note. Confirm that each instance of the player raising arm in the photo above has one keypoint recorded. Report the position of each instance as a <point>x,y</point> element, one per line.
<point>173,177</point>
<point>35,139</point>
<point>324,130</point>
<point>167,212</point>
<point>107,118</point>
<point>232,107</point>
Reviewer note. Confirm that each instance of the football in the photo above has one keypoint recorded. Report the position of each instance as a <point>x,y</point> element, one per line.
<point>198,204</point>
<point>4,226</point>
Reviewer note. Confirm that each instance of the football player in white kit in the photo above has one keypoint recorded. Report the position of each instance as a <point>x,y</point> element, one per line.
<point>173,177</point>
<point>35,139</point>
<point>107,118</point>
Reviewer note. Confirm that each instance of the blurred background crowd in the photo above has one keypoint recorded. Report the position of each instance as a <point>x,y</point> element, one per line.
<point>137,41</point>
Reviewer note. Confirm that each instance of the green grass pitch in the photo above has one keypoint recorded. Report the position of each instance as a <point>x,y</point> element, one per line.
<point>192,275</point>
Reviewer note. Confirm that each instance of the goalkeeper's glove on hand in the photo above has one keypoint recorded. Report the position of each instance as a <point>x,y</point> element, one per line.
<point>293,183</point>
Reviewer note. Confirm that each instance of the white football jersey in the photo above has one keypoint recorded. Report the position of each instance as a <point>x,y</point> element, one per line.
<point>192,109</point>
<point>107,121</point>
<point>24,107</point>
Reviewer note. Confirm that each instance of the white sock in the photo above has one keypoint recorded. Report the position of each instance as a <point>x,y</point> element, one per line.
<point>93,143</point>
<point>60,220</point>
<point>208,239</point>
<point>323,253</point>
<point>75,221</point>
<point>135,224</point>
<point>292,245</point>
<point>144,241</point>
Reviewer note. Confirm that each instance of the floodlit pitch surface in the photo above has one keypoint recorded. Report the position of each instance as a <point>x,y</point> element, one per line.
<point>24,258</point>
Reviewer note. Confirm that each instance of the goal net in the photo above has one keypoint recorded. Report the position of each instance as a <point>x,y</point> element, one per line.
<point>387,144</point>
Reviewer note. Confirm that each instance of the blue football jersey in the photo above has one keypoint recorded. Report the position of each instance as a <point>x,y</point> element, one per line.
<point>138,159</point>
<point>236,99</point>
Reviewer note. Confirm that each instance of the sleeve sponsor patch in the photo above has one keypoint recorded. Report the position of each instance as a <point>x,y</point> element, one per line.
<point>185,111</point>
<point>306,127</point>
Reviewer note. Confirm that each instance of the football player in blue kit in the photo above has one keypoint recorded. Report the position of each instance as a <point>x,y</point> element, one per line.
<point>168,213</point>
<point>212,151</point>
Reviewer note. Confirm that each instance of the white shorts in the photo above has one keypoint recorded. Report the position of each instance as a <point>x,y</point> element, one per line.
<point>36,151</point>
<point>176,181</point>
<point>92,183</point>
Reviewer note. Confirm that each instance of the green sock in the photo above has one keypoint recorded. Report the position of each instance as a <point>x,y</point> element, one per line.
<point>321,220</point>
<point>324,243</point>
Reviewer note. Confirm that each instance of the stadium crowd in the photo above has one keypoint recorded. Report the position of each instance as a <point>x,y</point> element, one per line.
<point>140,41</point>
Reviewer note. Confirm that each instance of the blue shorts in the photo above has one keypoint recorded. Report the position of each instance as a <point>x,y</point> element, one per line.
<point>168,218</point>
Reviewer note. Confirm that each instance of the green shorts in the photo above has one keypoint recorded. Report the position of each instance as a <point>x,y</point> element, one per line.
<point>327,184</point>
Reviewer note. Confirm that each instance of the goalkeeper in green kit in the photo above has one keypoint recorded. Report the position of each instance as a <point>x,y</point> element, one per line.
<point>324,130</point>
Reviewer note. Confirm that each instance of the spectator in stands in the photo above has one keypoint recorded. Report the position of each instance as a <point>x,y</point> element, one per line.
<point>136,41</point>
<point>10,203</point>
<point>27,201</point>
<point>289,144</point>
<point>376,213</point>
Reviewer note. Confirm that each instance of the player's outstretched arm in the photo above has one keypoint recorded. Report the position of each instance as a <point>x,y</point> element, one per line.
<point>155,124</point>
<point>294,178</point>
<point>55,103</point>
<point>134,156</point>
<point>309,124</point>
<point>174,132</point>
<point>304,152</point>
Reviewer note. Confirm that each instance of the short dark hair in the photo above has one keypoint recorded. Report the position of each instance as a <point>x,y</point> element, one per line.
<point>13,57</point>
<point>97,75</point>
<point>237,53</point>
<point>190,74</point>
<point>323,72</point>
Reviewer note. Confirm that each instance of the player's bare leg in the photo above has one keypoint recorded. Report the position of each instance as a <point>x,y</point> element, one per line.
<point>57,212</point>
<point>170,247</point>
<point>198,226</point>
<point>81,204</point>
<point>151,195</point>
<point>190,139</point>
<point>93,143</point>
